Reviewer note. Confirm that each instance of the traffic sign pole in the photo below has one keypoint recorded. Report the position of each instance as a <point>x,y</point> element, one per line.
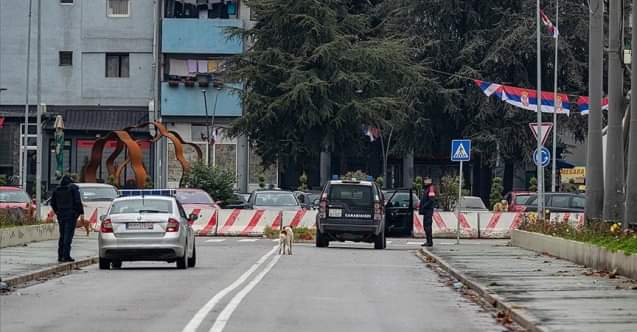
<point>459,206</point>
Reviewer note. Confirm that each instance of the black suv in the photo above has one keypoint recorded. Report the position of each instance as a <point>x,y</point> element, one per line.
<point>351,210</point>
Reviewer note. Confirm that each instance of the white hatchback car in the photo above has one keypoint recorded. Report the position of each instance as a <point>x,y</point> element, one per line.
<point>146,228</point>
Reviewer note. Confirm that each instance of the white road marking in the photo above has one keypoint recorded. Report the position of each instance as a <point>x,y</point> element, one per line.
<point>413,243</point>
<point>389,242</point>
<point>215,240</point>
<point>248,240</point>
<point>198,318</point>
<point>276,240</point>
<point>224,316</point>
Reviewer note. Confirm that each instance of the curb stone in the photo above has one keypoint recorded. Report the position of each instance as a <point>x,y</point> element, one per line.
<point>523,319</point>
<point>48,271</point>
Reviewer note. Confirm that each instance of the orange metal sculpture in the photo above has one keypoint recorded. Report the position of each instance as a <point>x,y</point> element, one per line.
<point>125,141</point>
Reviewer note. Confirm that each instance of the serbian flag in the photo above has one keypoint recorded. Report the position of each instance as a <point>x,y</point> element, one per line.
<point>372,132</point>
<point>583,104</point>
<point>549,25</point>
<point>489,88</point>
<point>527,99</point>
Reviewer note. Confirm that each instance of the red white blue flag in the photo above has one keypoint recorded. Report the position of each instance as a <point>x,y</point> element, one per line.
<point>489,88</point>
<point>527,99</point>
<point>372,132</point>
<point>549,25</point>
<point>583,103</point>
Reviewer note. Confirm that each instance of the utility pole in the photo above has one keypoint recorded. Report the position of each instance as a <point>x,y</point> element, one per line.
<point>555,104</point>
<point>40,109</point>
<point>630,215</point>
<point>540,168</point>
<point>25,138</point>
<point>594,158</point>
<point>614,175</point>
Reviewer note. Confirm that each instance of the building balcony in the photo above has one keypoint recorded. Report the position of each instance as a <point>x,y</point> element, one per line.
<point>187,101</point>
<point>200,36</point>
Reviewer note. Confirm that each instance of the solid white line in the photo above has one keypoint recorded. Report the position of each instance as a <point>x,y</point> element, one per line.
<point>215,240</point>
<point>205,310</point>
<point>389,242</point>
<point>224,316</point>
<point>413,243</point>
<point>248,240</point>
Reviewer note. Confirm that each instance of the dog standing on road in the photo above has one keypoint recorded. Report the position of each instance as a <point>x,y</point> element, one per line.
<point>286,238</point>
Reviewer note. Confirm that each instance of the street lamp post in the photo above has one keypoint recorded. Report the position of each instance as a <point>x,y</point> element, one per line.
<point>212,120</point>
<point>205,102</point>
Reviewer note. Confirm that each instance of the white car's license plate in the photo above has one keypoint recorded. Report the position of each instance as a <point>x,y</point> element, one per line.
<point>336,213</point>
<point>139,225</point>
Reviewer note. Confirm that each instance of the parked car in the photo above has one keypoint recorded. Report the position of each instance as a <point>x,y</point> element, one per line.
<point>473,204</point>
<point>559,202</point>
<point>400,206</point>
<point>273,200</point>
<point>146,228</point>
<point>517,199</point>
<point>314,199</point>
<point>96,198</point>
<point>237,201</point>
<point>14,198</point>
<point>351,211</point>
<point>307,199</point>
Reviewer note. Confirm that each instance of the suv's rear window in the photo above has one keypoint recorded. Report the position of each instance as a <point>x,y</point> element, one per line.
<point>353,195</point>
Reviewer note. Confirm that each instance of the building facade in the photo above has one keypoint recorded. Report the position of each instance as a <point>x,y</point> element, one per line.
<point>195,102</point>
<point>96,71</point>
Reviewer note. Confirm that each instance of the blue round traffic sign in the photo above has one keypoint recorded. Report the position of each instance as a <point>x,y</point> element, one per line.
<point>542,157</point>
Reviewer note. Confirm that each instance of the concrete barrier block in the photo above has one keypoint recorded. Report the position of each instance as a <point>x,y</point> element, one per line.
<point>16,236</point>
<point>581,253</point>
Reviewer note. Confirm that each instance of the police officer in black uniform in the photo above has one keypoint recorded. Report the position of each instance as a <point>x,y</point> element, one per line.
<point>427,204</point>
<point>67,205</point>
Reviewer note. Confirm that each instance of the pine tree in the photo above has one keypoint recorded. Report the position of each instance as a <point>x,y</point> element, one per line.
<point>496,191</point>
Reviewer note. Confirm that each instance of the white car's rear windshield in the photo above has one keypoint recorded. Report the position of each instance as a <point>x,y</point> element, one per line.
<point>147,205</point>
<point>275,199</point>
<point>96,194</point>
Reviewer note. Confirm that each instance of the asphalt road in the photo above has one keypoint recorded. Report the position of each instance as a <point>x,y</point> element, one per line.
<point>241,285</point>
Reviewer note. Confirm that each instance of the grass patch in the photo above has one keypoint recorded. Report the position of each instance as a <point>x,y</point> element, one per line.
<point>300,233</point>
<point>15,218</point>
<point>605,235</point>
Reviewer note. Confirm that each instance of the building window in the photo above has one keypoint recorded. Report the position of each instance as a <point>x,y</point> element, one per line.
<point>116,65</point>
<point>66,58</point>
<point>118,8</point>
<point>66,2</point>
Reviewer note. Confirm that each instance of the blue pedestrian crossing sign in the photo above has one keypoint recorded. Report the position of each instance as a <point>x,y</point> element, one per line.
<point>461,150</point>
<point>542,157</point>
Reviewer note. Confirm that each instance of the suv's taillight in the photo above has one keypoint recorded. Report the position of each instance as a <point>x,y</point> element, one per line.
<point>378,211</point>
<point>173,225</point>
<point>323,209</point>
<point>107,226</point>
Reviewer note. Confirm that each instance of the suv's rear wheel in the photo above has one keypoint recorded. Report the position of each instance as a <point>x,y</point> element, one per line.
<point>321,241</point>
<point>380,242</point>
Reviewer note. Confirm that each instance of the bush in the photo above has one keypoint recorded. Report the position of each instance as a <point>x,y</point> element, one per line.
<point>359,175</point>
<point>380,181</point>
<point>303,182</point>
<point>16,217</point>
<point>448,196</point>
<point>602,234</point>
<point>496,191</point>
<point>533,184</point>
<point>217,182</point>
<point>262,181</point>
<point>418,185</point>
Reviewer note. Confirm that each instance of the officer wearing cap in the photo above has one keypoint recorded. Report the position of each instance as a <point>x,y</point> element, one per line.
<point>427,204</point>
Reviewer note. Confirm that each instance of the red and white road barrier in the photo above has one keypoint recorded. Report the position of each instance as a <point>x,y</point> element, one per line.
<point>487,225</point>
<point>445,224</point>
<point>301,218</point>
<point>92,213</point>
<point>246,222</point>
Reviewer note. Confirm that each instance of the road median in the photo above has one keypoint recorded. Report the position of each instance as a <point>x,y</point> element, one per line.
<point>44,273</point>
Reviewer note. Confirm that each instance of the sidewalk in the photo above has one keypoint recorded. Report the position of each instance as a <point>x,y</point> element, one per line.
<point>555,295</point>
<point>20,260</point>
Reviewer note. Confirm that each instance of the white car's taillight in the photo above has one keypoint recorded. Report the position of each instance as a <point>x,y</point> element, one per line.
<point>173,225</point>
<point>378,211</point>
<point>107,226</point>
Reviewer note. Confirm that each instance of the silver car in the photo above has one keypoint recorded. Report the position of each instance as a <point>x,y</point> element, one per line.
<point>146,228</point>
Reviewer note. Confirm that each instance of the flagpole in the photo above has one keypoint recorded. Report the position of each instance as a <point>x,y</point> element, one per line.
<point>557,36</point>
<point>540,170</point>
